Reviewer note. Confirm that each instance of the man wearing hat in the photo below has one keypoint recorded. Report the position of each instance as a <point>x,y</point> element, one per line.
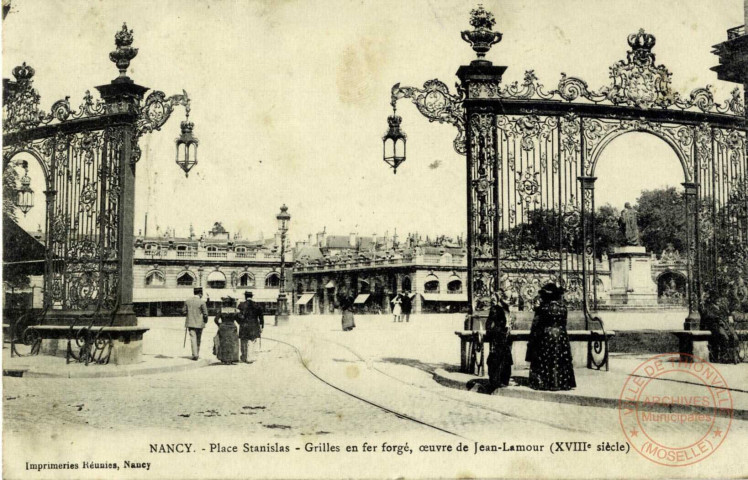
<point>250,326</point>
<point>196,316</point>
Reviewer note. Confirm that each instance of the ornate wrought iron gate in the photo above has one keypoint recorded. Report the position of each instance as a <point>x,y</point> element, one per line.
<point>531,158</point>
<point>88,158</point>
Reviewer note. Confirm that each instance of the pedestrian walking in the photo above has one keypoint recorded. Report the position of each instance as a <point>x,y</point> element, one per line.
<point>345,301</point>
<point>406,305</point>
<point>397,308</point>
<point>251,324</point>
<point>548,349</point>
<point>226,341</point>
<point>196,316</point>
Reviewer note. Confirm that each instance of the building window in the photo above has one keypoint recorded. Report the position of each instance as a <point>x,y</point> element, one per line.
<point>272,280</point>
<point>431,286</point>
<point>185,280</point>
<point>155,279</point>
<point>216,280</point>
<point>455,286</point>
<point>246,280</point>
<point>406,284</point>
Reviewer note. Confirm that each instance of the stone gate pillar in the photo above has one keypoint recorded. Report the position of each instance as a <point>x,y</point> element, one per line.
<point>123,96</point>
<point>480,82</point>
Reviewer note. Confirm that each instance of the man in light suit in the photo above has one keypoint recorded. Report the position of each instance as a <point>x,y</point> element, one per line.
<point>196,316</point>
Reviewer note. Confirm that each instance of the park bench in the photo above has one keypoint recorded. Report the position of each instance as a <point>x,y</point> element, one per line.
<point>589,348</point>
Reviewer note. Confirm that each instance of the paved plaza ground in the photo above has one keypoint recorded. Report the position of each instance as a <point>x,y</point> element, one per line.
<point>313,382</point>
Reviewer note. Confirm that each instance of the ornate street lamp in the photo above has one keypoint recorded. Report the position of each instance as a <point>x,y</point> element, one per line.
<point>281,315</point>
<point>394,141</point>
<point>187,146</point>
<point>25,195</point>
<point>283,219</point>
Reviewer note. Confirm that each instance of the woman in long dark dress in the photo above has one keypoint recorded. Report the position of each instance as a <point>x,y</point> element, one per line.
<point>497,334</point>
<point>548,349</point>
<point>227,346</point>
<point>346,306</point>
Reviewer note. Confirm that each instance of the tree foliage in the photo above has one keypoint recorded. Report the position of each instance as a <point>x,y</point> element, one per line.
<point>662,219</point>
<point>548,230</point>
<point>10,186</point>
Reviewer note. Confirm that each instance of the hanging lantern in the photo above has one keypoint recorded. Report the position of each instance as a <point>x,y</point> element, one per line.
<point>25,195</point>
<point>187,147</point>
<point>283,218</point>
<point>394,142</point>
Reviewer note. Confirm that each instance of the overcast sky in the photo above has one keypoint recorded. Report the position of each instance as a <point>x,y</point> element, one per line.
<point>290,98</point>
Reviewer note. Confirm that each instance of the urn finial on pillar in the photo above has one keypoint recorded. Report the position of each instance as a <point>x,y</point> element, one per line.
<point>125,51</point>
<point>482,37</point>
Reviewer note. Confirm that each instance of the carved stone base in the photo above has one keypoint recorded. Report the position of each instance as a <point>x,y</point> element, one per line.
<point>126,347</point>
<point>631,278</point>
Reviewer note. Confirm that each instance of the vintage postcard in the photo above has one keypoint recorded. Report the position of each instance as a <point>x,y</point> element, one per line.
<point>374,239</point>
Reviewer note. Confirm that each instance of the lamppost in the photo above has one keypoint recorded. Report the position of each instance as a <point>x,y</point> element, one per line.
<point>23,198</point>
<point>281,314</point>
<point>476,93</point>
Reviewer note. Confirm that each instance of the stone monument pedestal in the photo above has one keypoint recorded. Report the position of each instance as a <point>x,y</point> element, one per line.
<point>631,278</point>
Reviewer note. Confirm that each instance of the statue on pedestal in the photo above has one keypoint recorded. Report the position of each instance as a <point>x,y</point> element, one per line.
<point>628,222</point>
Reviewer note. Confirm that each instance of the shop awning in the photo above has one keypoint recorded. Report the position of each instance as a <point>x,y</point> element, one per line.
<point>180,294</point>
<point>330,284</point>
<point>265,295</point>
<point>445,297</point>
<point>362,298</point>
<point>304,298</point>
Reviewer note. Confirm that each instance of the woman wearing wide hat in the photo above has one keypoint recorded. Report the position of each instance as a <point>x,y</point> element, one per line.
<point>226,342</point>
<point>548,349</point>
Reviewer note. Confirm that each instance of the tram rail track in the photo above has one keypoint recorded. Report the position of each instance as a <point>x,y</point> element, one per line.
<point>509,416</point>
<point>402,416</point>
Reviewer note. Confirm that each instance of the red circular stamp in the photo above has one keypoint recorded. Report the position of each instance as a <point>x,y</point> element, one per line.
<point>675,409</point>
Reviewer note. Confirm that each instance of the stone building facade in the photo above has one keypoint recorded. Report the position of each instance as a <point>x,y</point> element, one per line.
<point>376,268</point>
<point>167,268</point>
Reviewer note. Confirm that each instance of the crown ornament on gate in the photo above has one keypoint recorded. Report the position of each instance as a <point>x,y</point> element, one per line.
<point>482,37</point>
<point>125,51</point>
<point>23,73</point>
<point>641,44</point>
